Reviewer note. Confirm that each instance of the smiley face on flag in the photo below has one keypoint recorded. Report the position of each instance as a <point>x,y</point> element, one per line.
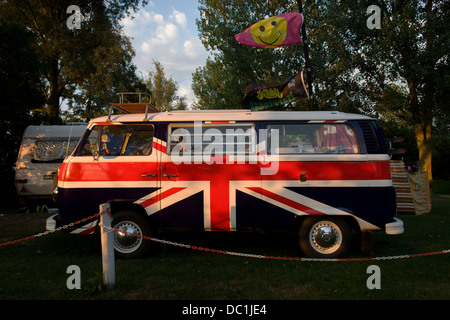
<point>276,31</point>
<point>270,32</point>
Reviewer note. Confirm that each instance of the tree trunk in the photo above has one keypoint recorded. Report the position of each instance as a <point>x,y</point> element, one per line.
<point>422,119</point>
<point>53,103</point>
<point>423,138</point>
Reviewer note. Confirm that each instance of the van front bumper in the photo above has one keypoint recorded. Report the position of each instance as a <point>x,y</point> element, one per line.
<point>395,227</point>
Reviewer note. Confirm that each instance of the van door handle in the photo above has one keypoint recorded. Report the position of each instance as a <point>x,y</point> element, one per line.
<point>145,175</point>
<point>170,175</point>
<point>303,177</point>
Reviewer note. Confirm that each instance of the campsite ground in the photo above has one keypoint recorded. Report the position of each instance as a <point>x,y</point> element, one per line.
<point>37,268</point>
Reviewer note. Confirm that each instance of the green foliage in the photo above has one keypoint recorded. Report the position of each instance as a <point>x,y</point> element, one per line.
<point>163,89</point>
<point>399,73</point>
<point>78,64</point>
<point>19,89</point>
<point>220,83</point>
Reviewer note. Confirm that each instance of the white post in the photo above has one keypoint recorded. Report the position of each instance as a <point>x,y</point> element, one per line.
<point>107,238</point>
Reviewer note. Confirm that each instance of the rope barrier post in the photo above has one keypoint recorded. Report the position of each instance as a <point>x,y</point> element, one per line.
<point>107,239</point>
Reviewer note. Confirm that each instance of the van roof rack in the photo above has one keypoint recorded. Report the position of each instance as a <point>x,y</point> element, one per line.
<point>124,105</point>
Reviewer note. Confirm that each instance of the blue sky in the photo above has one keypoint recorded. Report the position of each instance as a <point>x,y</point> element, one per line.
<point>165,30</point>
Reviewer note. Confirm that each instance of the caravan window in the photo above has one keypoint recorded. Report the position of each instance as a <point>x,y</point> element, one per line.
<point>52,150</point>
<point>315,138</point>
<point>119,140</point>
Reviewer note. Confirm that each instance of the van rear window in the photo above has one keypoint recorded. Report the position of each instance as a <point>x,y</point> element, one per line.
<point>315,138</point>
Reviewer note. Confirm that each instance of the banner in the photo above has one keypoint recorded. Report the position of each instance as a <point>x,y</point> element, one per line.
<point>273,32</point>
<point>260,96</point>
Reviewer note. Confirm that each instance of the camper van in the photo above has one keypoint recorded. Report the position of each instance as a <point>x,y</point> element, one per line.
<point>318,174</point>
<point>42,151</point>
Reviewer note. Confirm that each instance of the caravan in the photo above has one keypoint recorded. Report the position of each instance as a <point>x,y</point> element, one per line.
<point>42,151</point>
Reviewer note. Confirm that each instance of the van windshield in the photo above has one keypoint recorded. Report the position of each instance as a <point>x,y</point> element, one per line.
<point>119,140</point>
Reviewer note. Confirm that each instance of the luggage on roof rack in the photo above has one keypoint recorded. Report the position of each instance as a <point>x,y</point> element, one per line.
<point>124,105</point>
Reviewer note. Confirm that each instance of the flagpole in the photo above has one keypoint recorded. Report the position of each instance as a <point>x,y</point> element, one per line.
<point>306,50</point>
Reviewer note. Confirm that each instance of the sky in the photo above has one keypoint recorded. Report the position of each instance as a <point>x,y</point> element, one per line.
<point>165,31</point>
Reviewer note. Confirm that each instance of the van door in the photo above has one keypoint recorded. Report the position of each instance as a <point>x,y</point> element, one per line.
<point>206,175</point>
<point>115,162</point>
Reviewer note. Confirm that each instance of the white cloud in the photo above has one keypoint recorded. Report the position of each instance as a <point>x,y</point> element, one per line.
<point>179,18</point>
<point>170,38</point>
<point>193,48</point>
<point>167,33</point>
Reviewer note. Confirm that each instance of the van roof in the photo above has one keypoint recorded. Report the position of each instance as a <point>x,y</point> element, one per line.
<point>233,115</point>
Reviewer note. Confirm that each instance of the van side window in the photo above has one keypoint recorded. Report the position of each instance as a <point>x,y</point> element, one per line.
<point>214,139</point>
<point>315,138</point>
<point>119,140</point>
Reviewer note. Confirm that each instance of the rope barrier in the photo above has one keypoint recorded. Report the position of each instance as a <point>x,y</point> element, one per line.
<point>239,254</point>
<point>54,230</point>
<point>248,255</point>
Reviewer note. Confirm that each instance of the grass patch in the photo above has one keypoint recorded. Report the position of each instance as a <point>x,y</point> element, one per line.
<point>441,187</point>
<point>36,269</point>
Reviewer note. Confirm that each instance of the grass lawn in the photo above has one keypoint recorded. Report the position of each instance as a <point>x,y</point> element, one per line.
<point>37,268</point>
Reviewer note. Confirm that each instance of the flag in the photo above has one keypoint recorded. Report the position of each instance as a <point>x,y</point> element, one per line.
<point>260,96</point>
<point>273,32</point>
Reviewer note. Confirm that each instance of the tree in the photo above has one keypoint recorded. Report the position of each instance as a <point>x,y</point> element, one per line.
<point>211,85</point>
<point>233,64</point>
<point>99,68</point>
<point>405,61</point>
<point>400,71</point>
<point>55,40</point>
<point>20,91</point>
<point>163,89</point>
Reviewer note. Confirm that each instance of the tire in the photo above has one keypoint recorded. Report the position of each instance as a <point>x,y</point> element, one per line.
<point>128,246</point>
<point>324,237</point>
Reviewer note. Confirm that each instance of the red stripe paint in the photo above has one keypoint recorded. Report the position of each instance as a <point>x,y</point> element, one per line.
<point>316,171</point>
<point>220,203</point>
<point>108,171</point>
<point>89,231</point>
<point>286,201</point>
<point>159,147</point>
<point>160,197</point>
<point>372,170</point>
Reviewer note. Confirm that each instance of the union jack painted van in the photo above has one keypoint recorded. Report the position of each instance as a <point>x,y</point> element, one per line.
<point>319,174</point>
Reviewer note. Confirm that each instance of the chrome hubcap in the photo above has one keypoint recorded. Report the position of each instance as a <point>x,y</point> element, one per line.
<point>325,237</point>
<point>125,240</point>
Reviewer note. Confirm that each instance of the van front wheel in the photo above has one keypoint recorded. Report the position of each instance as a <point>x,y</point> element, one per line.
<point>324,237</point>
<point>130,228</point>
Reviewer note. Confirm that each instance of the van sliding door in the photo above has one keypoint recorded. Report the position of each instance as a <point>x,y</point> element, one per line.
<point>207,173</point>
